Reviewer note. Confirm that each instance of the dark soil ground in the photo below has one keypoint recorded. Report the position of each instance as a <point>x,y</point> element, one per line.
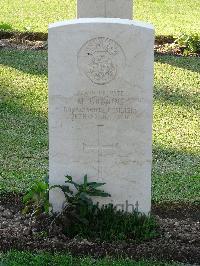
<point>23,42</point>
<point>179,240</point>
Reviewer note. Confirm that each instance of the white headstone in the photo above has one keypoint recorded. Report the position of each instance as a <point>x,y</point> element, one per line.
<point>105,8</point>
<point>100,107</point>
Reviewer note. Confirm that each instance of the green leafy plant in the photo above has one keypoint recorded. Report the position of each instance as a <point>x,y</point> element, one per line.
<point>189,43</point>
<point>79,205</point>
<point>84,218</point>
<point>36,201</point>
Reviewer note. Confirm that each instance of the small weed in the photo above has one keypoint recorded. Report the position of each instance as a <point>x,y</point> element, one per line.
<point>83,218</point>
<point>5,26</point>
<point>37,199</point>
<point>189,43</point>
<point>79,205</point>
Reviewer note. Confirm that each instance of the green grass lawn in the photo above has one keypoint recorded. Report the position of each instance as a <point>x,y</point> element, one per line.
<point>170,17</point>
<point>24,133</point>
<point>15,258</point>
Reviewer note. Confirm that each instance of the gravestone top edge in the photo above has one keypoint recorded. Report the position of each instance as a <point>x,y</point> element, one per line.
<point>101,20</point>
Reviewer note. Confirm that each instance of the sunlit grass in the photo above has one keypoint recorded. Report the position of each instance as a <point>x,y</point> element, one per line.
<point>176,168</point>
<point>23,111</point>
<point>170,17</point>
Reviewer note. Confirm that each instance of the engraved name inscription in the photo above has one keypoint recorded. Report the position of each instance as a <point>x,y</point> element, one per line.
<point>99,59</point>
<point>102,105</point>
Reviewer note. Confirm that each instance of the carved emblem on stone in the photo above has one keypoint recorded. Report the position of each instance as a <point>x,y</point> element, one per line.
<point>100,59</point>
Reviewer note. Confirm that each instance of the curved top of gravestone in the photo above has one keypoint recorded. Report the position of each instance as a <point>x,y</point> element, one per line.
<point>101,21</point>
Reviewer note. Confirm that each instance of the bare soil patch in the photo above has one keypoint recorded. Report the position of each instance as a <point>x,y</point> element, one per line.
<point>179,240</point>
<point>22,44</point>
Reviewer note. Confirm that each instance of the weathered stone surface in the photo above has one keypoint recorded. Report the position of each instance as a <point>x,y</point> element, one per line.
<point>105,8</point>
<point>100,107</point>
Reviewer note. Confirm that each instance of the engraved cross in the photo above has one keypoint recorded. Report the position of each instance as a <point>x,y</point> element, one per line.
<point>100,148</point>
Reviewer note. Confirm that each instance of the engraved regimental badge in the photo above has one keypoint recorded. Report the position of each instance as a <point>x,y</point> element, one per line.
<point>100,59</point>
